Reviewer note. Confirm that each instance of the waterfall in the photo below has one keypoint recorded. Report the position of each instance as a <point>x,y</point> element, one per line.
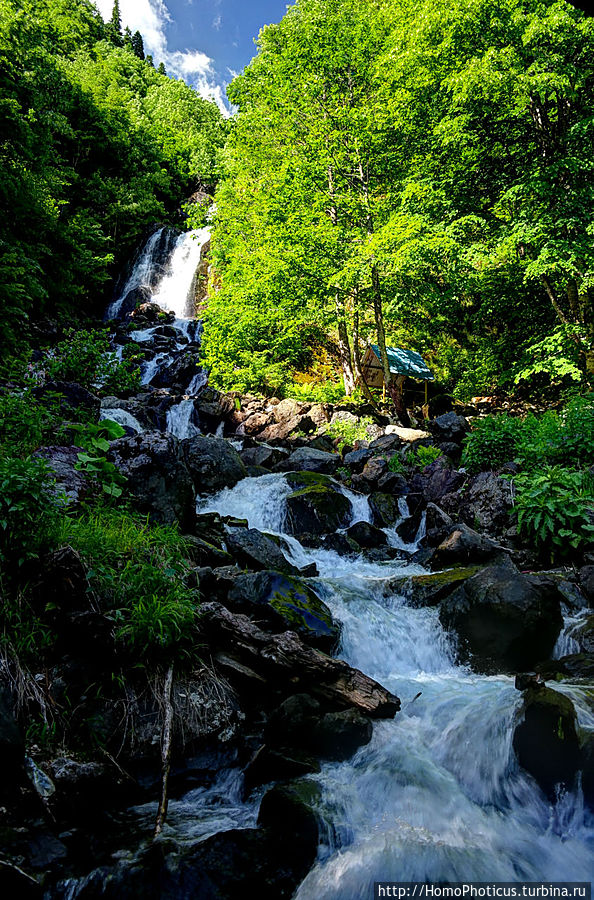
<point>180,419</point>
<point>142,273</point>
<point>175,290</point>
<point>123,418</point>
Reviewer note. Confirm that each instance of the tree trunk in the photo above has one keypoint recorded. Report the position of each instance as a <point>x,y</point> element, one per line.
<point>379,324</point>
<point>357,356</point>
<point>344,346</point>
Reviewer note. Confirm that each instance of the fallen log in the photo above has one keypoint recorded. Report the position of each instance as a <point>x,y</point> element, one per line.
<point>284,657</point>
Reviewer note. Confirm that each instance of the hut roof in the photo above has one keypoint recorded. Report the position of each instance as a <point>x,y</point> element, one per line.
<point>405,362</point>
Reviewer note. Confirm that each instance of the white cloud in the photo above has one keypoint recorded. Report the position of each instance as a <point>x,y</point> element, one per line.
<point>217,22</point>
<point>151,18</point>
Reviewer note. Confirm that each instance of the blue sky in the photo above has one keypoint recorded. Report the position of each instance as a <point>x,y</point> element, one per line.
<point>203,41</point>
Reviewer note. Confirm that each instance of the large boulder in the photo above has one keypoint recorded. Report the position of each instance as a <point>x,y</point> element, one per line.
<point>286,603</point>
<point>505,621</point>
<point>463,546</point>
<point>384,508</point>
<point>157,477</point>
<point>439,479</point>
<point>449,427</point>
<point>62,462</point>
<point>253,550</point>
<point>262,455</point>
<point>546,741</point>
<point>366,535</point>
<point>307,459</point>
<point>316,505</point>
<point>212,462</point>
<point>487,503</point>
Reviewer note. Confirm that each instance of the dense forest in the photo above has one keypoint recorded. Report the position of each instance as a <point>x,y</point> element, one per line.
<point>96,146</point>
<point>421,171</point>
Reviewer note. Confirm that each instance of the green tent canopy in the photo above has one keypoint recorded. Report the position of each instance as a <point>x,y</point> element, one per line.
<point>405,362</point>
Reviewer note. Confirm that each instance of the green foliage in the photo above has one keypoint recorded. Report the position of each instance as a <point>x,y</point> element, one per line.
<point>395,464</point>
<point>555,509</point>
<point>555,356</point>
<point>95,439</point>
<point>320,392</point>
<point>424,456</point>
<point>346,433</point>
<point>493,441</point>
<point>25,422</point>
<point>29,511</point>
<point>138,571</point>
<point>84,357</point>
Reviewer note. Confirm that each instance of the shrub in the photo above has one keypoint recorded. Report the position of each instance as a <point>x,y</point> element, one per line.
<point>29,511</point>
<point>349,432</point>
<point>138,570</point>
<point>25,422</point>
<point>94,439</point>
<point>321,392</point>
<point>493,441</point>
<point>396,465</point>
<point>85,357</point>
<point>555,509</point>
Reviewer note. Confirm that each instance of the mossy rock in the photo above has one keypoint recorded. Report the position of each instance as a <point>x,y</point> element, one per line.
<point>287,604</point>
<point>546,742</point>
<point>432,588</point>
<point>317,505</point>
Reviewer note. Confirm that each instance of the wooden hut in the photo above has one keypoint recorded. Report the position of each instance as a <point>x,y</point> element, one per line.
<point>403,364</point>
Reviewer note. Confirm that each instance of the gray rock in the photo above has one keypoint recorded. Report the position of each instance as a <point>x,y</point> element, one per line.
<point>384,508</point>
<point>69,481</point>
<point>262,455</point>
<point>253,550</point>
<point>488,502</point>
<point>212,462</point>
<point>449,427</point>
<point>356,459</point>
<point>301,722</point>
<point>463,546</point>
<point>157,477</point>
<point>307,459</point>
<point>505,621</point>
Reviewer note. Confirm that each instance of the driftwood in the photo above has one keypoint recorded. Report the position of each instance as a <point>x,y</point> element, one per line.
<point>284,657</point>
<point>165,753</point>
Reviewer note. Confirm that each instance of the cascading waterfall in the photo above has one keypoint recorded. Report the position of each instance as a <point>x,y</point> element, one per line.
<point>180,419</point>
<point>437,794</point>
<point>142,274</point>
<point>175,290</point>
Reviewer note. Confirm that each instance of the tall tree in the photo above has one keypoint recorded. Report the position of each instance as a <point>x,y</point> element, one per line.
<point>114,26</point>
<point>138,45</point>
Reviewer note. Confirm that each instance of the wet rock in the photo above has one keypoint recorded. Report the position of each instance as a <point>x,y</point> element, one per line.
<point>180,373</point>
<point>573,666</point>
<point>393,483</point>
<point>449,427</point>
<point>505,621</point>
<point>463,546</point>
<point>409,527</point>
<point>316,504</point>
<point>301,722</point>
<point>157,477</point>
<point>341,544</point>
<point>430,589</point>
<point>366,535</point>
<point>82,788</point>
<point>206,553</point>
<point>270,764</point>
<point>286,603</point>
<point>212,462</point>
<point>254,550</point>
<point>374,470</point>
<point>307,459</point>
<point>529,680</point>
<point>62,463</point>
<point>545,741</point>
<point>584,635</point>
<point>384,508</point>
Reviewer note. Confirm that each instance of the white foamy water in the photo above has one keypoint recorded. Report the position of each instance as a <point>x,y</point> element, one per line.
<point>123,418</point>
<point>175,290</point>
<point>140,275</point>
<point>180,420</point>
<point>437,794</point>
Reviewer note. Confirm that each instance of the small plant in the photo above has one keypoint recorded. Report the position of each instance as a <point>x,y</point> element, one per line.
<point>424,456</point>
<point>555,509</point>
<point>29,511</point>
<point>349,432</point>
<point>396,465</point>
<point>25,422</point>
<point>493,441</point>
<point>94,440</point>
